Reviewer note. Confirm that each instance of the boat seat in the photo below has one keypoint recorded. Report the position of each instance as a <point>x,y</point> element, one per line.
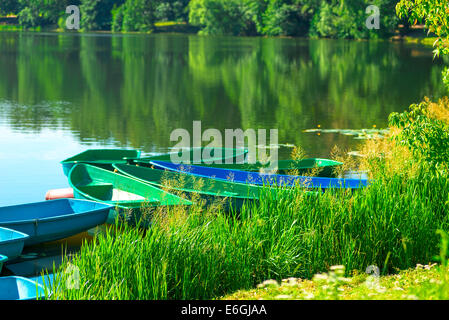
<point>99,191</point>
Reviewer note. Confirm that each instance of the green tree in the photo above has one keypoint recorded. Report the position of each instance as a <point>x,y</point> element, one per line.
<point>435,15</point>
<point>181,10</point>
<point>35,13</point>
<point>97,14</point>
<point>9,6</point>
<point>347,19</point>
<point>164,12</point>
<point>135,15</point>
<point>173,10</point>
<point>289,18</point>
<point>230,17</point>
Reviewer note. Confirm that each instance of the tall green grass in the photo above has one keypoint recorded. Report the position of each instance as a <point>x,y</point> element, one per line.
<point>204,254</point>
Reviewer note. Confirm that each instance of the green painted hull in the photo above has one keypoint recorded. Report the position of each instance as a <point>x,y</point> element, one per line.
<point>99,157</point>
<point>300,167</point>
<point>132,199</point>
<point>211,154</point>
<point>211,191</point>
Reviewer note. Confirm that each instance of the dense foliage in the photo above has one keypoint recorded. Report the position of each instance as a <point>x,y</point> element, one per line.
<point>435,14</point>
<point>425,132</point>
<point>8,6</point>
<point>318,18</point>
<point>33,13</point>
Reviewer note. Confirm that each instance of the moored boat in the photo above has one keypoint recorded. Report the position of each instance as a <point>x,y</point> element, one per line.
<point>323,167</point>
<point>257,178</point>
<point>212,191</point>
<point>20,288</point>
<point>100,157</point>
<point>12,242</point>
<point>128,196</point>
<point>54,219</point>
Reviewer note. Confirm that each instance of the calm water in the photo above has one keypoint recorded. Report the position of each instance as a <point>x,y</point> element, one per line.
<point>63,93</point>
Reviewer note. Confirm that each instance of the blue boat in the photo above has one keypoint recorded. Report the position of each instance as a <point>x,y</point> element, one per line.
<point>12,242</point>
<point>3,259</point>
<point>262,178</point>
<point>20,288</point>
<point>53,220</point>
<point>46,280</point>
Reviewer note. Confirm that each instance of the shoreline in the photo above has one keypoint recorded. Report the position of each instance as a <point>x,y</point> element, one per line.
<point>426,41</point>
<point>416,34</point>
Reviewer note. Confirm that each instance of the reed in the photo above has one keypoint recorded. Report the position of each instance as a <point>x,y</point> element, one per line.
<point>199,254</point>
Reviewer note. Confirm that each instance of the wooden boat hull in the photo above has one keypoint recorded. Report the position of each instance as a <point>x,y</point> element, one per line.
<point>257,178</point>
<point>130,198</point>
<point>100,157</point>
<point>3,259</point>
<point>20,288</point>
<point>12,242</point>
<point>53,220</point>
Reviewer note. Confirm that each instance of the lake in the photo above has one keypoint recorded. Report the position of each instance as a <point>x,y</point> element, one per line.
<point>63,93</point>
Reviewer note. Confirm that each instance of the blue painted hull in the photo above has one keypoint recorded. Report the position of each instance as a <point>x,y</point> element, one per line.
<point>53,220</point>
<point>3,259</point>
<point>46,280</point>
<point>19,288</point>
<point>12,242</point>
<point>113,212</point>
<point>262,178</point>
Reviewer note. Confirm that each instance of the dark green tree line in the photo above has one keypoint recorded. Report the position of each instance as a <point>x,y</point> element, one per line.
<point>315,18</point>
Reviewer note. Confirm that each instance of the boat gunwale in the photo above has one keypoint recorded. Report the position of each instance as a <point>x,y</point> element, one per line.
<point>116,203</point>
<point>328,183</point>
<point>72,160</point>
<point>148,159</point>
<point>59,217</point>
<point>333,163</point>
<point>238,196</point>
<point>23,236</point>
<point>39,294</point>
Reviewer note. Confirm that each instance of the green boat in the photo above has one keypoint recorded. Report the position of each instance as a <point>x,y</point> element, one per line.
<point>99,157</point>
<point>324,167</point>
<point>208,153</point>
<point>210,191</point>
<point>132,199</point>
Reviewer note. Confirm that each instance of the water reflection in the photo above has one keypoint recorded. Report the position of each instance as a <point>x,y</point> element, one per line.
<point>134,90</point>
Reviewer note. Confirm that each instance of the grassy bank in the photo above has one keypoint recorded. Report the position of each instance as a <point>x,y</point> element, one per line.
<point>425,282</point>
<point>198,253</point>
